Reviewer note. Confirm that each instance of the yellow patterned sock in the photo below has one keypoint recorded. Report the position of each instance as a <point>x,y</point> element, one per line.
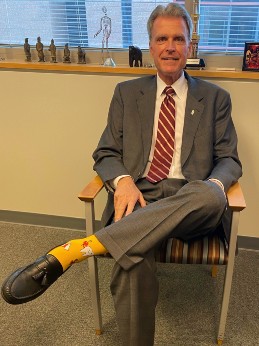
<point>77,250</point>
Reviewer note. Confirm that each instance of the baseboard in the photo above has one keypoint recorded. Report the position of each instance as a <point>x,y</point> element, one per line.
<point>251,243</point>
<point>244,242</point>
<point>42,219</point>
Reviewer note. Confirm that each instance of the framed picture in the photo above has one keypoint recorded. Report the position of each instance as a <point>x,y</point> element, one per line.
<point>251,57</point>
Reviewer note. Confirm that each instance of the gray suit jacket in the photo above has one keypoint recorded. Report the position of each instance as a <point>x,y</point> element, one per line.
<point>209,145</point>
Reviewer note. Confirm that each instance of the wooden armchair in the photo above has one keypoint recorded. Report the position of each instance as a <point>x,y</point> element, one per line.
<point>209,250</point>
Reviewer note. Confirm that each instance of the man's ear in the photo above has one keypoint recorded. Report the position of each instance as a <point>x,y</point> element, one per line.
<point>190,48</point>
<point>150,48</point>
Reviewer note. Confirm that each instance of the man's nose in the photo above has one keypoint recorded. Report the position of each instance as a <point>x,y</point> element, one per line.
<point>171,46</point>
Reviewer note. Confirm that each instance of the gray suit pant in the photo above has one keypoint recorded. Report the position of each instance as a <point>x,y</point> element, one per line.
<point>176,209</point>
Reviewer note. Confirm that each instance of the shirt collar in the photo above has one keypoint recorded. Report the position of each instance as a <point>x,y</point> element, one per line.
<point>179,86</point>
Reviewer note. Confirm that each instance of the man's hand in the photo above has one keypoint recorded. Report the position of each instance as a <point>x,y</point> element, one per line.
<point>125,198</point>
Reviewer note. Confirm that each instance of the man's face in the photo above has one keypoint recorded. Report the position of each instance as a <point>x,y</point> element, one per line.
<point>169,47</point>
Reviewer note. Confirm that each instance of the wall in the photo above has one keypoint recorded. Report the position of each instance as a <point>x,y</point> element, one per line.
<point>51,123</point>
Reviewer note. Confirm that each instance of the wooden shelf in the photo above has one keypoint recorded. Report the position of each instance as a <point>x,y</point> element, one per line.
<point>97,69</point>
<point>224,74</point>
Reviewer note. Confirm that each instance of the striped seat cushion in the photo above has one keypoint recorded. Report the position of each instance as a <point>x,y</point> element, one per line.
<point>207,250</point>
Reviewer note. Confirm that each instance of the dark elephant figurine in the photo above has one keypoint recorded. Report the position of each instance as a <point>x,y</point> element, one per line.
<point>135,56</point>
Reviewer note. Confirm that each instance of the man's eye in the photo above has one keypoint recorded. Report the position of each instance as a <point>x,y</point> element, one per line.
<point>179,39</point>
<point>161,39</point>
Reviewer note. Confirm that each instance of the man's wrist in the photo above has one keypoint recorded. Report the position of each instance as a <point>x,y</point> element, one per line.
<point>114,182</point>
<point>218,182</point>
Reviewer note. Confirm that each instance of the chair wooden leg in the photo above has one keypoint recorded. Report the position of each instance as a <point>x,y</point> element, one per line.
<point>228,277</point>
<point>95,294</point>
<point>93,271</point>
<point>214,271</point>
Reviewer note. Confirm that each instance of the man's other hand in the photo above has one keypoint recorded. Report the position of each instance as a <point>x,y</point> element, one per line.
<point>125,198</point>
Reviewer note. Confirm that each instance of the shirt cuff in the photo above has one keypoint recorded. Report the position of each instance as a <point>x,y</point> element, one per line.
<point>218,182</point>
<point>114,182</point>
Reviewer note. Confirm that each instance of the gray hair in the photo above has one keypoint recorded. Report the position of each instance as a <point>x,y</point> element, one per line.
<point>171,10</point>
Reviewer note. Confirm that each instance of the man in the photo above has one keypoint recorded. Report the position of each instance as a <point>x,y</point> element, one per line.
<point>180,194</point>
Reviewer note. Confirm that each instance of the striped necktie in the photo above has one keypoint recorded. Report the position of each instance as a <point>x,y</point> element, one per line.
<point>164,146</point>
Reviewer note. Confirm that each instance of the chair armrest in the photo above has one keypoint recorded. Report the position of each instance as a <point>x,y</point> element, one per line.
<point>91,190</point>
<point>236,198</point>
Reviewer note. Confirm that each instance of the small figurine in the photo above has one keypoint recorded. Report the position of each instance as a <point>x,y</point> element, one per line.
<point>52,49</point>
<point>66,57</point>
<point>81,56</point>
<point>135,56</point>
<point>39,48</point>
<point>27,50</point>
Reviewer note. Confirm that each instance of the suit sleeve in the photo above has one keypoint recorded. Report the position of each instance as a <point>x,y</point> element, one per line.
<point>227,167</point>
<point>108,155</point>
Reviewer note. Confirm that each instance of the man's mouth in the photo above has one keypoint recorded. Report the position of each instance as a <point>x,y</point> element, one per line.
<point>170,58</point>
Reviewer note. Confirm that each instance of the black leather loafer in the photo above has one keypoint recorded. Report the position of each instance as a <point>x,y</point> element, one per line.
<point>28,283</point>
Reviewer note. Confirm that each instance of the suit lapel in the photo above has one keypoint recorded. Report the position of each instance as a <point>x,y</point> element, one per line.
<point>146,109</point>
<point>193,112</point>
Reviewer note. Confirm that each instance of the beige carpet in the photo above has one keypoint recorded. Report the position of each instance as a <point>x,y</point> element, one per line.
<point>187,312</point>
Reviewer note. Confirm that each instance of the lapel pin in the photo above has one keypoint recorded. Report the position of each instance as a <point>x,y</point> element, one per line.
<point>192,112</point>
